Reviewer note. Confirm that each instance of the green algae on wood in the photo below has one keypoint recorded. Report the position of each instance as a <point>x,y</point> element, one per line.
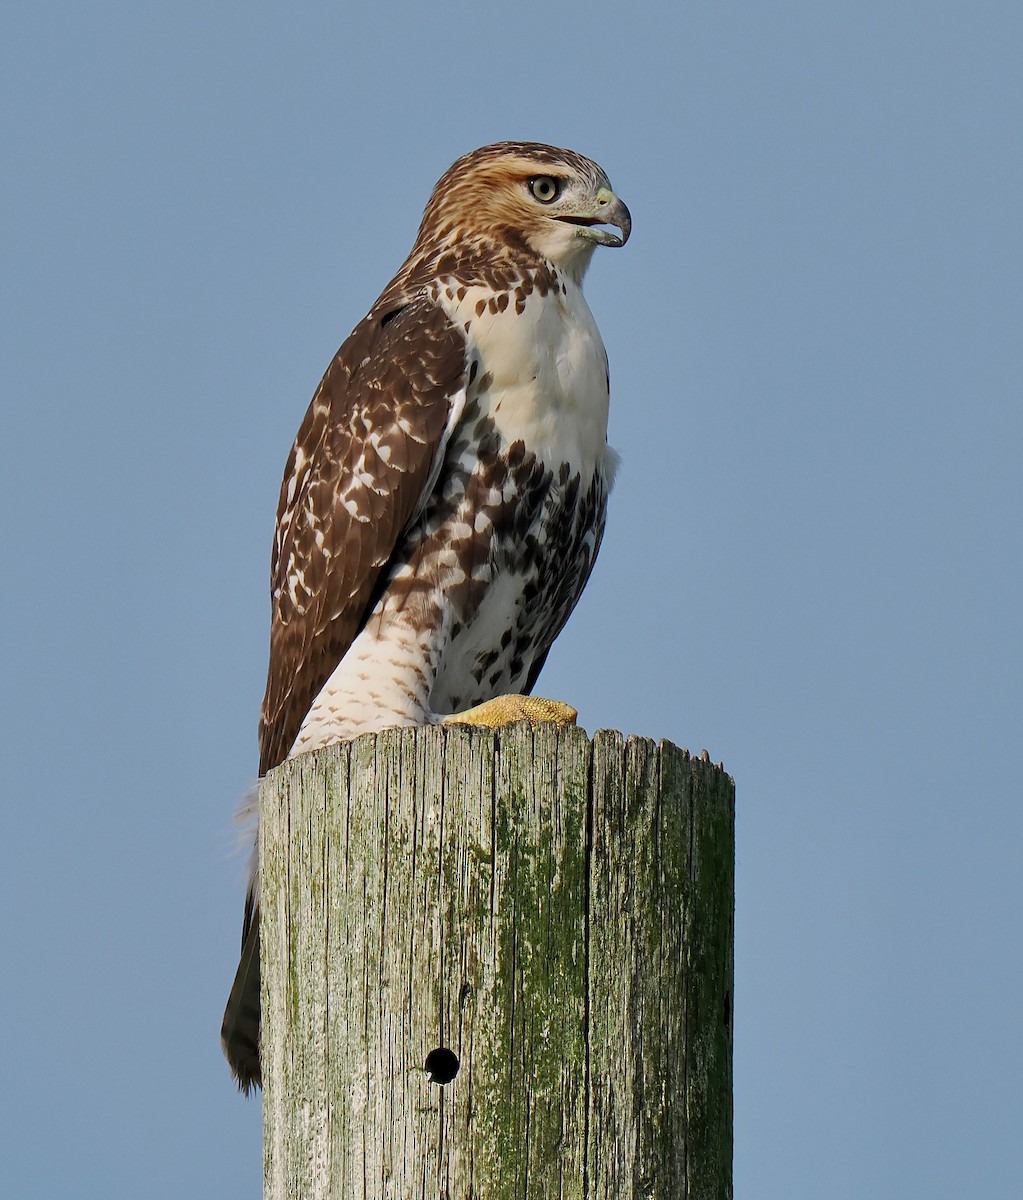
<point>555,911</point>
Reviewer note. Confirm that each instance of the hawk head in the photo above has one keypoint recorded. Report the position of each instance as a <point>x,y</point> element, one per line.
<point>524,197</point>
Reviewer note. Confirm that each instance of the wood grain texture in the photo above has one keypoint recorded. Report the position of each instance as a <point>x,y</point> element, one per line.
<point>558,912</point>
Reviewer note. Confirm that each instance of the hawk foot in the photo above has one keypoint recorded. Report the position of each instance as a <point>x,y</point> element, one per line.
<point>506,710</point>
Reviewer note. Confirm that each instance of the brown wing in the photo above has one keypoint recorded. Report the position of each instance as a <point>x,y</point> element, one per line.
<point>356,474</point>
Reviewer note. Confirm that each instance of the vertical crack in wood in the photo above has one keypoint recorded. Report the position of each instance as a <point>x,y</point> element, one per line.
<point>383,781</point>
<point>687,983</point>
<point>441,994</point>
<point>416,831</point>
<point>364,1123</point>
<point>513,981</point>
<point>587,922</point>
<point>327,865</point>
<point>692,1010</point>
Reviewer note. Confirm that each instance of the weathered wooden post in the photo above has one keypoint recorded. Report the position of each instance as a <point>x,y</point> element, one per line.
<point>544,922</point>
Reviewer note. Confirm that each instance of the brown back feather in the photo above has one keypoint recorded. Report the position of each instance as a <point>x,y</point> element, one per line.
<point>327,561</point>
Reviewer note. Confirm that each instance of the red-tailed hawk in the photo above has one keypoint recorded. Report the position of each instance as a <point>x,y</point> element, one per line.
<point>444,500</point>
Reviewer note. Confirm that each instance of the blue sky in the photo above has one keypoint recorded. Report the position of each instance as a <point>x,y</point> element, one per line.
<point>812,564</point>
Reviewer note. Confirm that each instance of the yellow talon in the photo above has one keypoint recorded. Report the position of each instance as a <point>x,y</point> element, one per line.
<point>506,710</point>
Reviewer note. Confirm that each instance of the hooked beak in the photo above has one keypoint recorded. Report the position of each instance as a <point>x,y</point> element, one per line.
<point>608,210</point>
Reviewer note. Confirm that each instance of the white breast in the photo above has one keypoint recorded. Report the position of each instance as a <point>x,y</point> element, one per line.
<point>546,373</point>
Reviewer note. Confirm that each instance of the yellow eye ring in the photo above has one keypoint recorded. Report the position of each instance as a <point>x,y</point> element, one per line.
<point>545,188</point>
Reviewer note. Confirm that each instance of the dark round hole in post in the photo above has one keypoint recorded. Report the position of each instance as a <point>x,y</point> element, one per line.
<point>442,1065</point>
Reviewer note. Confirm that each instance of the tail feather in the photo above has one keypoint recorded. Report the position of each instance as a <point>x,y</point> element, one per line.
<point>239,1033</point>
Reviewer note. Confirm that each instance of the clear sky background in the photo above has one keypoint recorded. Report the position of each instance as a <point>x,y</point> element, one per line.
<point>812,565</point>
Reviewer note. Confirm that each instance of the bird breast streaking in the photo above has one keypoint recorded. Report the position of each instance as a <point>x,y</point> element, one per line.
<point>444,501</point>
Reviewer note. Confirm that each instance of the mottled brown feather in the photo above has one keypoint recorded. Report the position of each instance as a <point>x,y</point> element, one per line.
<point>415,365</point>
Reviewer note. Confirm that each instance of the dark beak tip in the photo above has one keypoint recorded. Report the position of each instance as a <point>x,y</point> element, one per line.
<point>623,219</point>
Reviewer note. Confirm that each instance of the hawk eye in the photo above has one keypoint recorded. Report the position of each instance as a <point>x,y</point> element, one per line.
<point>545,188</point>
